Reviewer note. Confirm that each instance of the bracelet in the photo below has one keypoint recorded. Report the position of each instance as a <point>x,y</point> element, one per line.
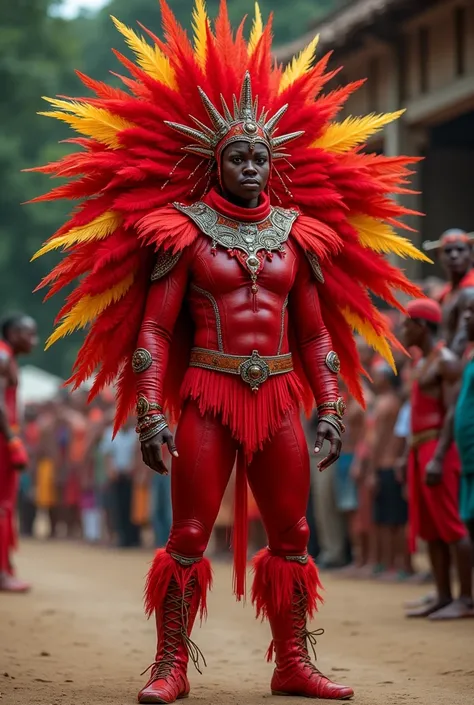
<point>338,406</point>
<point>148,421</point>
<point>335,422</point>
<point>144,406</point>
<point>153,431</point>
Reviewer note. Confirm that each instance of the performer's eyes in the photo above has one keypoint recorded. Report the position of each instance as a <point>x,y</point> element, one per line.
<point>237,160</point>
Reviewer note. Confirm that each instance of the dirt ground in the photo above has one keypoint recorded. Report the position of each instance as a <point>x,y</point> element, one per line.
<point>80,638</point>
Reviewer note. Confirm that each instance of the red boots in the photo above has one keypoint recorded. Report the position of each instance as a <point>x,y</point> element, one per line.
<point>285,591</point>
<point>174,592</point>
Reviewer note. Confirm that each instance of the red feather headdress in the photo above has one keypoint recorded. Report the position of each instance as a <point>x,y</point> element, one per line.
<point>129,170</point>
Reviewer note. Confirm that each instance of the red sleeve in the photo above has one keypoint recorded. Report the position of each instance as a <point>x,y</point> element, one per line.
<point>314,341</point>
<point>163,305</point>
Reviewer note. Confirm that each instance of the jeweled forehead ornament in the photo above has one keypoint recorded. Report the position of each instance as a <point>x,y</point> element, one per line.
<point>243,125</point>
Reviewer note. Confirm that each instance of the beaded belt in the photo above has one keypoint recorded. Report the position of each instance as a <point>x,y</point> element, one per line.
<point>253,370</point>
<point>418,439</point>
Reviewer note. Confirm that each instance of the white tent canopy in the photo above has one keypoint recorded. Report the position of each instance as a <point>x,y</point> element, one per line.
<point>37,386</point>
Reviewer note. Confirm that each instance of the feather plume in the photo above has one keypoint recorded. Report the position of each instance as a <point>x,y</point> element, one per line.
<point>100,228</point>
<point>257,30</point>
<point>200,25</point>
<point>299,65</point>
<point>93,122</point>
<point>380,237</point>
<point>88,308</point>
<point>376,339</point>
<point>150,59</point>
<point>351,132</point>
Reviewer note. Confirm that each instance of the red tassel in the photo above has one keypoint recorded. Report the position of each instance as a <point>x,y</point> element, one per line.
<point>165,567</point>
<point>274,584</point>
<point>269,654</point>
<point>240,531</point>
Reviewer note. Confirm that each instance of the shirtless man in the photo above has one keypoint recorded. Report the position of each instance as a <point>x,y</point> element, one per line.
<point>390,512</point>
<point>456,258</point>
<point>434,467</point>
<point>19,337</point>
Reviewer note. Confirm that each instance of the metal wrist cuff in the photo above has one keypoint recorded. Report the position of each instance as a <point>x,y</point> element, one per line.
<point>338,406</point>
<point>153,431</point>
<point>144,406</point>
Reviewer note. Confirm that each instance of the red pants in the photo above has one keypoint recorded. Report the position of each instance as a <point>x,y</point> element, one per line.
<point>278,476</point>
<point>434,511</point>
<point>8,495</point>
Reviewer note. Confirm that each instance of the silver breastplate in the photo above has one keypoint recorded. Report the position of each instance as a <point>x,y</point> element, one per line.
<point>250,238</point>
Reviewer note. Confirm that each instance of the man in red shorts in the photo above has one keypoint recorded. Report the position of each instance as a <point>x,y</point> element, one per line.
<point>434,466</point>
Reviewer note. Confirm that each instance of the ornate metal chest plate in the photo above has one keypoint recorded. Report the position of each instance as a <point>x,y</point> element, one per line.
<point>250,238</point>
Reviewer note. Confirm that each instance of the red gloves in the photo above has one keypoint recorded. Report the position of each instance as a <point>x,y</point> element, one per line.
<point>18,454</point>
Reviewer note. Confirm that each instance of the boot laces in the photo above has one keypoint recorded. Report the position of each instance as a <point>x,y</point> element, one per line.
<point>303,634</point>
<point>175,631</point>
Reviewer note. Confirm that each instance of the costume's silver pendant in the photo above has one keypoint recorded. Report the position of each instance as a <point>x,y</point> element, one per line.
<point>246,240</point>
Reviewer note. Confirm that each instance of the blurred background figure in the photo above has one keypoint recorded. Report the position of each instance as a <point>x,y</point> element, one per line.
<point>19,337</point>
<point>120,455</point>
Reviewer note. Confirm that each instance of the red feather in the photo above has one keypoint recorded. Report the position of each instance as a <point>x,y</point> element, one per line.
<point>146,173</point>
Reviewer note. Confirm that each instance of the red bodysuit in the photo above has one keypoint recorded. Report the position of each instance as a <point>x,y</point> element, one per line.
<point>221,412</point>
<point>8,474</point>
<point>433,511</point>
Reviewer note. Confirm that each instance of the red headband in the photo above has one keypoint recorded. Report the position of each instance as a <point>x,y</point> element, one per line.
<point>458,236</point>
<point>425,309</point>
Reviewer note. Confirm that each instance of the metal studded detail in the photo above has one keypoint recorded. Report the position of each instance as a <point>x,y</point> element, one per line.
<point>269,234</point>
<point>144,406</point>
<point>184,560</point>
<point>254,371</point>
<point>164,264</point>
<point>298,559</point>
<point>282,328</point>
<point>315,266</point>
<point>214,305</point>
<point>333,362</point>
<point>141,360</point>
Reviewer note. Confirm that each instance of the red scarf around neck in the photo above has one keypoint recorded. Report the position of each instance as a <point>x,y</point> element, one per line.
<point>215,200</point>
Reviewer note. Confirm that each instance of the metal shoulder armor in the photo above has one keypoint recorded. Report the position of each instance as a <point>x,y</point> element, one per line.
<point>165,261</point>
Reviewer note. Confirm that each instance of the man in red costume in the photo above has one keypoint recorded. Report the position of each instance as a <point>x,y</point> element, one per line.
<point>19,338</point>
<point>455,255</point>
<point>230,275</point>
<point>434,466</point>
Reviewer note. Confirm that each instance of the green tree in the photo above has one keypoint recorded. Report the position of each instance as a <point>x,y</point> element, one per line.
<point>37,53</point>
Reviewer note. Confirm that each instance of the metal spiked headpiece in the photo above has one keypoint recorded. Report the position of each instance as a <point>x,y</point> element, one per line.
<point>242,125</point>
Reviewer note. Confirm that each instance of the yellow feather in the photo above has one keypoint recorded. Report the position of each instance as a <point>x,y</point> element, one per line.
<point>93,122</point>
<point>343,136</point>
<point>200,24</point>
<point>88,308</point>
<point>257,30</point>
<point>299,65</point>
<point>368,332</point>
<point>98,229</point>
<point>150,58</point>
<point>380,237</point>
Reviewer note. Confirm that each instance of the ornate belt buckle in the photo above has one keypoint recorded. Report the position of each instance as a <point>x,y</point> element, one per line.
<point>254,371</point>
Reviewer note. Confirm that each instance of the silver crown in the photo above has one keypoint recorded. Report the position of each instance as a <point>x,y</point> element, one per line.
<point>255,129</point>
